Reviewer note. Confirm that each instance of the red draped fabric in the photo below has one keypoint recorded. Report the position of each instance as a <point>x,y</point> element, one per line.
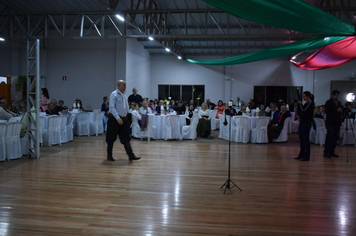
<point>331,55</point>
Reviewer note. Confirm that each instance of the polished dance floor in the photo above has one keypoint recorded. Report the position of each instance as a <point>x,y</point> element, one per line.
<point>175,190</point>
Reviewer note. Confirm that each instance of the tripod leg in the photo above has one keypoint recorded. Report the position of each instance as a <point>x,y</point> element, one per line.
<point>235,185</point>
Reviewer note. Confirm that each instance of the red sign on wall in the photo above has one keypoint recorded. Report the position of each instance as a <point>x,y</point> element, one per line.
<point>64,78</point>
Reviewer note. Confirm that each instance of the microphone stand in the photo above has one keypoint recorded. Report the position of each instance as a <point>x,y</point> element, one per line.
<point>229,184</point>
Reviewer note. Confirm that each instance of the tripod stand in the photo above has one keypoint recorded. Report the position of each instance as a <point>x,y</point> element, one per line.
<point>348,122</point>
<point>229,184</point>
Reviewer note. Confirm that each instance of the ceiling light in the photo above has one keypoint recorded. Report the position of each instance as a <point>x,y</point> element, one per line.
<point>120,17</point>
<point>179,57</point>
<point>2,39</point>
<point>168,50</point>
<point>151,38</point>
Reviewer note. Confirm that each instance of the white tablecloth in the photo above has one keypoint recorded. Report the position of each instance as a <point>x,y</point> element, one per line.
<point>251,119</point>
<point>160,122</point>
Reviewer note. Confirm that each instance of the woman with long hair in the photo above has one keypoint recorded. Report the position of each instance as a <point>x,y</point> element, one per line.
<point>44,99</point>
<point>305,113</point>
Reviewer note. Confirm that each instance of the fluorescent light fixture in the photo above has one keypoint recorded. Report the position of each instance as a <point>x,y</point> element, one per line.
<point>2,39</point>
<point>168,50</point>
<point>120,17</point>
<point>151,38</point>
<point>179,57</point>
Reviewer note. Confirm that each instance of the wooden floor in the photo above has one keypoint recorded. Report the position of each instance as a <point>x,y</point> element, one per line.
<point>175,190</point>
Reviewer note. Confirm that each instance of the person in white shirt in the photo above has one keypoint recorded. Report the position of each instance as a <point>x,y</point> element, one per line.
<point>204,127</point>
<point>145,109</point>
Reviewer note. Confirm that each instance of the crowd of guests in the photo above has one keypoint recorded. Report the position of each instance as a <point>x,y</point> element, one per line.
<point>333,113</point>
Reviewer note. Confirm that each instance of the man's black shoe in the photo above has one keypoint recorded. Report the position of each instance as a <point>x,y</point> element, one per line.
<point>304,159</point>
<point>134,158</point>
<point>327,155</point>
<point>110,158</point>
<point>297,158</point>
<point>334,155</point>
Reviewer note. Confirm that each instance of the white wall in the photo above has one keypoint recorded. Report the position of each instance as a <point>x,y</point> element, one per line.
<point>138,69</point>
<point>92,68</point>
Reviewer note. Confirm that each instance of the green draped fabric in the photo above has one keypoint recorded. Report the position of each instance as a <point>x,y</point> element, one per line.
<point>273,52</point>
<point>287,14</point>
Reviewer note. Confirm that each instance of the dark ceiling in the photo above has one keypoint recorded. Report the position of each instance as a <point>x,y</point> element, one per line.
<point>186,26</point>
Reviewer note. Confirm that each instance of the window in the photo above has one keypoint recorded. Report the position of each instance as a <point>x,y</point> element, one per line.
<point>181,92</point>
<point>278,94</point>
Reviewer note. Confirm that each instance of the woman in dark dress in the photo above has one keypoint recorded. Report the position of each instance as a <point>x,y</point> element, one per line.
<point>305,113</point>
<point>189,114</point>
<point>204,127</point>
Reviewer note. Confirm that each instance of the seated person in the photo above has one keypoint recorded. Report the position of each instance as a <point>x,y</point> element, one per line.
<point>274,130</point>
<point>24,118</point>
<point>317,114</point>
<point>220,107</point>
<point>51,110</point>
<point>152,105</point>
<point>145,109</point>
<point>61,106</point>
<point>251,104</point>
<point>230,111</point>
<point>5,114</point>
<point>273,114</point>
<point>172,106</point>
<point>204,127</point>
<point>189,114</point>
<point>263,110</point>
<point>13,107</point>
<point>180,109</point>
<point>160,107</point>
<point>210,105</point>
<point>135,112</point>
<point>242,111</point>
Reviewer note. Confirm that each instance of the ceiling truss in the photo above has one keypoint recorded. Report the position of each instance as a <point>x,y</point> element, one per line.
<point>181,30</point>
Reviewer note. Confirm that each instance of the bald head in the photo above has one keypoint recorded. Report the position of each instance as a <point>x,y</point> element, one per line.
<point>121,86</point>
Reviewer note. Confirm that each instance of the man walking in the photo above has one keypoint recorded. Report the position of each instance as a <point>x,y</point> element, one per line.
<point>118,123</point>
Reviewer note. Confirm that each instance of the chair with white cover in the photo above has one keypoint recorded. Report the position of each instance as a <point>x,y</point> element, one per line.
<point>13,143</point>
<point>241,129</point>
<point>172,129</point>
<point>312,135</point>
<point>294,124</point>
<point>259,134</point>
<point>190,131</point>
<point>135,127</point>
<point>320,132</point>
<point>83,123</point>
<point>214,123</point>
<point>3,127</point>
<point>63,129</point>
<point>348,135</point>
<point>52,135</point>
<point>97,126</point>
<point>15,119</point>
<point>224,129</point>
<point>150,131</point>
<point>283,136</point>
<point>70,128</point>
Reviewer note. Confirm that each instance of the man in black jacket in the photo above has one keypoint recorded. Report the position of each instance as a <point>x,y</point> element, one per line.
<point>333,110</point>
